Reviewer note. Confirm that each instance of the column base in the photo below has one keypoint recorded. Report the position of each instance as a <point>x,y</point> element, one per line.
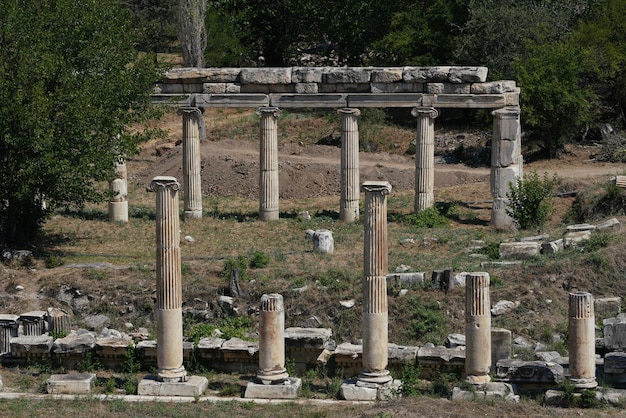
<point>176,375</point>
<point>379,378</point>
<point>349,214</point>
<point>287,389</point>
<point>269,215</point>
<point>355,390</point>
<point>192,214</point>
<point>478,380</point>
<point>582,383</point>
<point>272,377</point>
<point>194,386</point>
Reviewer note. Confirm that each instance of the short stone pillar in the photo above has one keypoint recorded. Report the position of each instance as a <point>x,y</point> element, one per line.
<point>349,199</point>
<point>192,181</point>
<point>118,203</point>
<point>477,328</point>
<point>268,175</point>
<point>375,314</point>
<point>169,283</point>
<point>581,339</point>
<point>425,157</point>
<point>272,340</point>
<point>506,162</point>
<point>8,330</point>
<point>33,323</point>
<point>59,323</point>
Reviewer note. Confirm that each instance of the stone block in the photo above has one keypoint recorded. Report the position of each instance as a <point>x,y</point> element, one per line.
<point>530,376</point>
<point>354,390</point>
<point>31,346</point>
<point>491,390</point>
<point>610,224</point>
<point>615,332</point>
<point>305,346</point>
<point>580,227</point>
<point>96,322</point>
<point>349,75</point>
<point>503,307</point>
<point>399,356</point>
<point>73,383</point>
<point>112,351</point>
<point>33,323</point>
<point>574,239</point>
<point>210,348</point>
<point>433,360</point>
<point>285,390</point>
<point>455,340</point>
<point>552,247</point>
<point>323,241</point>
<point>447,88</point>
<point>400,87</point>
<point>233,88</point>
<point>501,347</point>
<point>147,350</point>
<point>506,143</point>
<point>412,280</point>
<point>425,74</point>
<point>166,88</point>
<point>214,88</point>
<point>511,99</point>
<point>348,357</point>
<point>386,75</point>
<point>345,88</point>
<point>608,307</point>
<point>240,351</point>
<point>502,178</point>
<point>519,249</point>
<point>74,343</point>
<point>306,88</point>
<point>265,75</point>
<point>615,367</point>
<point>307,74</point>
<point>468,74</point>
<point>193,387</point>
<point>494,87</point>
<point>193,87</point>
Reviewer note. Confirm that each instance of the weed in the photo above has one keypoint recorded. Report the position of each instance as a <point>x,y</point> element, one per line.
<point>54,261</point>
<point>88,364</point>
<point>443,383</point>
<point>491,250</point>
<point>131,363</point>
<point>290,366</point>
<point>109,385</point>
<point>230,389</point>
<point>130,385</point>
<point>258,260</point>
<point>411,380</point>
<point>239,263</point>
<point>495,282</point>
<point>596,241</point>
<point>196,332</point>
<point>530,205</point>
<point>426,218</point>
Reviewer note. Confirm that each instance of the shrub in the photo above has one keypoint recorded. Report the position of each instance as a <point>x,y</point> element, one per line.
<point>240,263</point>
<point>530,205</point>
<point>258,260</point>
<point>426,218</point>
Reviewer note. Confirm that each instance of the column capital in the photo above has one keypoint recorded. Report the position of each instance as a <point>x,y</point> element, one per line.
<point>349,111</point>
<point>269,110</point>
<point>163,182</point>
<point>189,110</point>
<point>382,187</point>
<point>510,112</point>
<point>424,111</point>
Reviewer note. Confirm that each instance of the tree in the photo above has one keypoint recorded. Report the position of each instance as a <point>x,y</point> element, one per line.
<point>71,83</point>
<point>192,32</point>
<point>154,20</point>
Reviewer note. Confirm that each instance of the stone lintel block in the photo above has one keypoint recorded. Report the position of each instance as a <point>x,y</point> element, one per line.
<point>73,383</point>
<point>214,88</point>
<point>348,75</point>
<point>286,390</point>
<point>306,88</point>
<point>397,88</point>
<point>113,346</point>
<point>608,307</point>
<point>267,75</point>
<point>307,74</point>
<point>409,100</point>
<point>26,346</point>
<point>211,347</point>
<point>178,100</point>
<point>411,280</point>
<point>230,100</point>
<point>193,87</point>
<point>401,354</point>
<point>519,249</point>
<point>425,74</point>
<point>529,372</point>
<point>494,87</point>
<point>209,75</point>
<point>308,100</point>
<point>447,88</point>
<point>614,333</point>
<point>501,180</point>
<point>349,350</point>
<point>511,99</point>
<point>464,101</point>
<point>440,354</point>
<point>8,319</point>
<point>267,88</point>
<point>307,337</point>
<point>491,390</point>
<point>573,239</point>
<point>74,343</point>
<point>611,224</point>
<point>580,227</point>
<point>552,247</point>
<point>386,75</point>
<point>193,387</point>
<point>541,237</point>
<point>237,345</point>
<point>468,74</point>
<point>167,88</point>
<point>33,316</point>
<point>345,88</point>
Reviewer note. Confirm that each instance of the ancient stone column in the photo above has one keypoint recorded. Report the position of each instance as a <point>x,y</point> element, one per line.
<point>272,340</point>
<point>169,286</point>
<point>506,162</point>
<point>118,203</point>
<point>192,181</point>
<point>375,315</point>
<point>8,329</point>
<point>268,176</point>
<point>582,348</point>
<point>59,323</point>
<point>425,157</point>
<point>477,328</point>
<point>349,200</point>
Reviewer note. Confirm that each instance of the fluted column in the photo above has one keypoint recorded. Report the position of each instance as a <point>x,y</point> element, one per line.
<point>582,348</point>
<point>192,181</point>
<point>375,314</point>
<point>169,286</point>
<point>425,157</point>
<point>272,340</point>
<point>118,203</point>
<point>268,176</point>
<point>349,200</point>
<point>506,162</point>
<point>8,329</point>
<point>477,328</point>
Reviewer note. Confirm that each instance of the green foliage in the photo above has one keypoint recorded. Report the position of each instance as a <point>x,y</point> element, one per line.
<point>132,362</point>
<point>109,386</point>
<point>88,363</point>
<point>53,261</point>
<point>232,327</point>
<point>71,85</point>
<point>530,205</point>
<point>598,202</point>
<point>239,263</point>
<point>258,260</point>
<point>426,322</point>
<point>411,380</point>
<point>426,218</point>
<point>596,241</point>
<point>491,250</point>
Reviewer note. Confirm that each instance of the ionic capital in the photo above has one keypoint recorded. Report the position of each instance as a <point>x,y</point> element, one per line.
<point>189,110</point>
<point>163,182</point>
<point>349,111</point>
<point>382,187</point>
<point>424,111</point>
<point>270,111</point>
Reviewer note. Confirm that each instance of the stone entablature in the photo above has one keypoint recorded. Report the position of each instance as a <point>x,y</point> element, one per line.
<point>336,87</point>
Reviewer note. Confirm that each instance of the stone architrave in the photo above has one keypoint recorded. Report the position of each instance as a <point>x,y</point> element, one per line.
<point>118,203</point>
<point>477,328</point>
<point>506,162</point>
<point>169,282</point>
<point>375,313</point>
<point>425,157</point>
<point>582,361</point>
<point>349,200</point>
<point>192,181</point>
<point>268,176</point>
<point>272,340</point>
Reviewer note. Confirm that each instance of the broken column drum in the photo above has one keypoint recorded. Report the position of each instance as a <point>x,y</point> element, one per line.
<point>118,203</point>
<point>192,180</point>
<point>272,340</point>
<point>268,175</point>
<point>506,163</point>
<point>8,329</point>
<point>424,157</point>
<point>375,313</point>
<point>582,361</point>
<point>349,200</point>
<point>169,283</point>
<point>477,328</point>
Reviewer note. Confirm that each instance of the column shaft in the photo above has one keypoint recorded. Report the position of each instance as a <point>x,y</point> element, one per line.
<point>118,203</point>
<point>477,328</point>
<point>349,199</point>
<point>169,282</point>
<point>272,340</point>
<point>192,180</point>
<point>375,311</point>
<point>581,340</point>
<point>268,176</point>
<point>425,157</point>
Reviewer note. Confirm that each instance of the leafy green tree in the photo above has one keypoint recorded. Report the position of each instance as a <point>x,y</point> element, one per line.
<point>157,28</point>
<point>71,84</point>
